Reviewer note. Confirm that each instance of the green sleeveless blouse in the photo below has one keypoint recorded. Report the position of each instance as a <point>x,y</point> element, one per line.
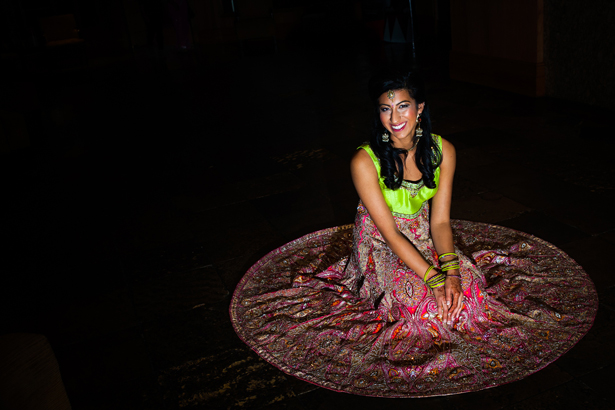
<point>410,199</point>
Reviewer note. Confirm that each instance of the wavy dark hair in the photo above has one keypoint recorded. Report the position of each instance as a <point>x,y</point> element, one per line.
<point>428,155</point>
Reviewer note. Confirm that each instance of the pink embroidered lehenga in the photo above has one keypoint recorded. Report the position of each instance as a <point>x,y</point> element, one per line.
<point>339,309</point>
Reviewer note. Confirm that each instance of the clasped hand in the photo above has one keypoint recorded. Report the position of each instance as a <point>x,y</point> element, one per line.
<point>449,299</point>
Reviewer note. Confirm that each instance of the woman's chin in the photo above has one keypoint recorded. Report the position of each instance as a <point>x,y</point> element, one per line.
<point>404,139</point>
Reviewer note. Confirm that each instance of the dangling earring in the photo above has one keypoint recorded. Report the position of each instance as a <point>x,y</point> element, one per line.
<point>385,137</point>
<point>419,130</point>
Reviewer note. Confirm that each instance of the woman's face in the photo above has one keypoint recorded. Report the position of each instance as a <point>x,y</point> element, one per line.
<point>398,114</point>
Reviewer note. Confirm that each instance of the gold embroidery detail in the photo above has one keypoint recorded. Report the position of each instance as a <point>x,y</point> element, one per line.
<point>413,188</point>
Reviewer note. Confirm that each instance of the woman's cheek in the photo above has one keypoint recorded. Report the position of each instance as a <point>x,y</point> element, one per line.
<point>410,113</point>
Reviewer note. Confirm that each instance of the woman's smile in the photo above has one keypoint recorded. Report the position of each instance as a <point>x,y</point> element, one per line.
<point>399,127</point>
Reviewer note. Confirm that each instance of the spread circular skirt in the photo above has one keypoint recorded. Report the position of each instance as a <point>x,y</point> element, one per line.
<point>338,309</point>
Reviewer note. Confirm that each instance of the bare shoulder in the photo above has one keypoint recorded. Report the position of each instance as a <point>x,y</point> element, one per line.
<point>449,159</point>
<point>362,167</point>
<point>361,159</point>
<point>448,149</point>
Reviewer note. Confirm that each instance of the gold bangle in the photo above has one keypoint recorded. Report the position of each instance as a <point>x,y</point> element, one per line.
<point>447,254</point>
<point>429,269</point>
<point>436,281</point>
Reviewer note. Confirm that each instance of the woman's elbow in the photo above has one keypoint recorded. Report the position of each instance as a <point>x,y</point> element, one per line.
<point>440,224</point>
<point>393,238</point>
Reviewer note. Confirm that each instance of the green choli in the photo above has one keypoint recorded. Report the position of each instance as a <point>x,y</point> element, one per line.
<point>408,200</point>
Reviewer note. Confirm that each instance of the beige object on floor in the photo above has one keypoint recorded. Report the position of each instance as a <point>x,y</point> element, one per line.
<point>29,374</point>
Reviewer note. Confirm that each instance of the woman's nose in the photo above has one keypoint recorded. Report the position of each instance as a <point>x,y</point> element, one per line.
<point>394,116</point>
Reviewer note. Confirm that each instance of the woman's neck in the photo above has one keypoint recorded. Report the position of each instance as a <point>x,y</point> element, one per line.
<point>408,146</point>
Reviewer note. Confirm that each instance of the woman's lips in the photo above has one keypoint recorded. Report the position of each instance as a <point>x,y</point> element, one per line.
<point>399,127</point>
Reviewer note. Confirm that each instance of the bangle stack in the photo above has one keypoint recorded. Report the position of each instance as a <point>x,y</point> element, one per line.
<point>450,264</point>
<point>436,280</point>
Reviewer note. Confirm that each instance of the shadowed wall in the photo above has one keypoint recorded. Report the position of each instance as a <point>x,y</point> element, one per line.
<point>580,51</point>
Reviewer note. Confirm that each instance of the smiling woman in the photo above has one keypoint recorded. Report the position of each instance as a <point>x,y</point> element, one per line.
<point>407,302</point>
<point>400,115</point>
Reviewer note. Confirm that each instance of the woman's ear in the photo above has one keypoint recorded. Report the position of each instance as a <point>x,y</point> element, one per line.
<point>421,106</point>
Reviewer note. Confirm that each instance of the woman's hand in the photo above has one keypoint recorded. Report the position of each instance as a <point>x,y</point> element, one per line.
<point>449,299</point>
<point>454,297</point>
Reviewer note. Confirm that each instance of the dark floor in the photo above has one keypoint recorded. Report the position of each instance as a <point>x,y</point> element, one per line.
<point>153,184</point>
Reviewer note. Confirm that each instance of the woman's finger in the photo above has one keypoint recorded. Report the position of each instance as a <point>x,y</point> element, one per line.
<point>445,310</point>
<point>439,303</point>
<point>451,310</point>
<point>458,304</point>
<point>449,305</point>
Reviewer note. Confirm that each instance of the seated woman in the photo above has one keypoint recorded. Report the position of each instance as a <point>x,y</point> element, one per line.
<point>398,173</point>
<point>407,303</point>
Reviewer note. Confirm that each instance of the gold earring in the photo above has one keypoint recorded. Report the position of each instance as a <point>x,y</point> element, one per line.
<point>385,137</point>
<point>419,130</point>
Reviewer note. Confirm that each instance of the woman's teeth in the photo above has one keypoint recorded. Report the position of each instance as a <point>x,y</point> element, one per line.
<point>398,127</point>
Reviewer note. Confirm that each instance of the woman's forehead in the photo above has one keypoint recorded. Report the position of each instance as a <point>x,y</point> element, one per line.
<point>394,96</point>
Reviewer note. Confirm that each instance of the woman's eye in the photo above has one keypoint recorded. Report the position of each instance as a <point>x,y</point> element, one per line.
<point>404,106</point>
<point>384,109</point>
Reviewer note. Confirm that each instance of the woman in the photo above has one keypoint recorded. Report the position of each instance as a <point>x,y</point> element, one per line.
<point>402,304</point>
<point>403,156</point>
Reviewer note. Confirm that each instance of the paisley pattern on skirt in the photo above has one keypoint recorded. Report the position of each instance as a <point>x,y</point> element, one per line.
<point>339,309</point>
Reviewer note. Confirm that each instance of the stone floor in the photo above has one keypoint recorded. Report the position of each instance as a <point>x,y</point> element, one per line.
<point>153,183</point>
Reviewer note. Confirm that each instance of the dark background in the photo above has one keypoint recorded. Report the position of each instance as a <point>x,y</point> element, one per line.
<point>141,180</point>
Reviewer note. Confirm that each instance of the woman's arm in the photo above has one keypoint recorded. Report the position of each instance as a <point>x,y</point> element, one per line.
<point>365,178</point>
<point>451,298</point>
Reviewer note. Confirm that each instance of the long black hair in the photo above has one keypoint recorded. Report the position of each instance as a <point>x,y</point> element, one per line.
<point>428,155</point>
